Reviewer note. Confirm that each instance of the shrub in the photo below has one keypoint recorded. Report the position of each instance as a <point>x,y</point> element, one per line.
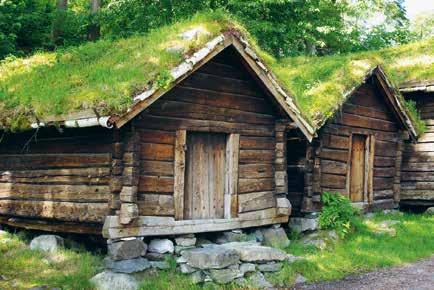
<point>338,214</point>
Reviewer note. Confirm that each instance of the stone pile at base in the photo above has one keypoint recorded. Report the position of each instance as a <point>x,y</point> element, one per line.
<point>232,256</point>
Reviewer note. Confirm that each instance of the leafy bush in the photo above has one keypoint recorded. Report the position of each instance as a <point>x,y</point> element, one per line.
<point>338,214</point>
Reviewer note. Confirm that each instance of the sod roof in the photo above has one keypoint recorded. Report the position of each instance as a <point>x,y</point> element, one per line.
<point>105,76</point>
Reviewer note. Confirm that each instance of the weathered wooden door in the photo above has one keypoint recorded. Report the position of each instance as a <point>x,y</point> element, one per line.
<point>357,174</point>
<point>205,176</point>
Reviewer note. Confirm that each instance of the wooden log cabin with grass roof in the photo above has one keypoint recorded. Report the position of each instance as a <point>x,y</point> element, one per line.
<point>357,151</point>
<point>201,148</point>
<point>417,177</point>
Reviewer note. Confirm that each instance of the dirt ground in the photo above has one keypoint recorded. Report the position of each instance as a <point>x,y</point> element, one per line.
<point>418,275</point>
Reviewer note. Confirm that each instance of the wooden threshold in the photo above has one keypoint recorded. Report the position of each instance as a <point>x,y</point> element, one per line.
<point>163,226</point>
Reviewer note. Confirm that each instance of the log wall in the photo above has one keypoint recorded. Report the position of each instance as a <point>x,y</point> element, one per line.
<point>417,177</point>
<point>220,97</point>
<point>365,112</point>
<point>50,176</point>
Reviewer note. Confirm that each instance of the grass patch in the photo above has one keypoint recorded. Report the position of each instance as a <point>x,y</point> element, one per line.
<point>22,268</point>
<point>363,251</point>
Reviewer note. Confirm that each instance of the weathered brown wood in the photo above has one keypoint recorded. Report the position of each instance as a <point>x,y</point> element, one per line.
<point>257,156</point>
<point>156,205</point>
<point>153,151</point>
<point>162,184</point>
<point>256,201</point>
<point>256,170</point>
<point>333,181</point>
<point>254,185</point>
<point>263,143</point>
<point>335,142</point>
<point>366,122</point>
<point>158,168</point>
<point>231,176</point>
<point>178,195</point>
<point>65,211</point>
<point>157,136</point>
<point>333,167</point>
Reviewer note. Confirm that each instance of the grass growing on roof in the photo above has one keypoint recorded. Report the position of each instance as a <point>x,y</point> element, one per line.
<point>104,75</point>
<point>320,84</point>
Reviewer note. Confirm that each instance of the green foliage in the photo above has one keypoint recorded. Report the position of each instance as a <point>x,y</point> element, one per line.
<point>164,79</point>
<point>338,214</point>
<point>416,116</point>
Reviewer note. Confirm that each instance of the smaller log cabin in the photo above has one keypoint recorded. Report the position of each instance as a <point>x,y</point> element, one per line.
<point>417,177</point>
<point>357,152</point>
<point>208,153</point>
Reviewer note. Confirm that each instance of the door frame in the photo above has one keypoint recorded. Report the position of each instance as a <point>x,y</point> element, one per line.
<point>231,173</point>
<point>368,189</point>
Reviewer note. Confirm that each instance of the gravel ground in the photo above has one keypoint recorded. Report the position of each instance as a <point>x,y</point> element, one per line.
<point>419,275</point>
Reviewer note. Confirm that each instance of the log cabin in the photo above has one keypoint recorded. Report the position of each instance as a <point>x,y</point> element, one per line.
<point>417,177</point>
<point>206,152</point>
<point>357,151</point>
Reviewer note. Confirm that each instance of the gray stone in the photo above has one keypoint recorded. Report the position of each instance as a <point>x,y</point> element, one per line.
<point>291,258</point>
<point>430,210</point>
<point>125,250</point>
<point>223,276</point>
<point>270,267</point>
<point>241,281</point>
<point>247,268</point>
<point>176,49</point>
<point>320,239</point>
<point>186,240</point>
<point>181,260</point>
<point>186,269</point>
<point>299,279</point>
<point>161,246</point>
<point>180,249</point>
<point>392,212</point>
<point>47,243</point>
<point>161,265</point>
<point>232,236</point>
<point>155,256</point>
<point>385,228</point>
<point>275,237</point>
<point>197,277</point>
<point>301,225</point>
<point>211,257</point>
<point>317,242</point>
<point>110,281</point>
<point>258,280</point>
<point>193,33</point>
<point>257,235</point>
<point>369,215</point>
<point>252,252</point>
<point>127,266</point>
<point>203,242</point>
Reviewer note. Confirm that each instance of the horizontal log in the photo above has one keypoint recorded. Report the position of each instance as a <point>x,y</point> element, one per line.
<point>366,112</point>
<point>265,143</point>
<point>156,205</point>
<point>59,180</point>
<point>334,155</point>
<point>385,149</point>
<point>255,170</point>
<point>91,172</point>
<point>255,185</point>
<point>420,147</point>
<point>417,176</point>
<point>342,130</point>
<point>160,226</point>
<point>383,194</point>
<point>153,151</point>
<point>417,157</point>
<point>334,141</point>
<point>418,166</point>
<point>53,226</point>
<point>384,171</point>
<point>333,167</point>
<point>420,194</point>
<point>384,161</point>
<point>157,168</point>
<point>366,122</point>
<point>160,184</point>
<point>38,161</point>
<point>381,183</point>
<point>224,70</point>
<point>172,124</point>
<point>156,136</point>
<point>333,181</point>
<point>64,211</point>
<point>82,193</point>
<point>256,156</point>
<point>179,109</point>
<point>256,201</point>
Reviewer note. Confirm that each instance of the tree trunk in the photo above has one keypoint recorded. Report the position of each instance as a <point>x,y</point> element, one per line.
<point>94,30</point>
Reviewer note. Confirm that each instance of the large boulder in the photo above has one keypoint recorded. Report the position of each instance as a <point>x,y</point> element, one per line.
<point>258,280</point>
<point>252,252</point>
<point>114,281</point>
<point>211,257</point>
<point>275,237</point>
<point>223,276</point>
<point>47,243</point>
<point>128,249</point>
<point>430,210</point>
<point>161,246</point>
<point>299,224</point>
<point>127,266</point>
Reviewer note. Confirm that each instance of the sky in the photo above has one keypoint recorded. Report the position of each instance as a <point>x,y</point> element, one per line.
<point>415,7</point>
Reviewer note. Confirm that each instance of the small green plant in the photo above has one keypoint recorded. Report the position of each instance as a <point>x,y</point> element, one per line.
<point>164,79</point>
<point>338,214</point>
